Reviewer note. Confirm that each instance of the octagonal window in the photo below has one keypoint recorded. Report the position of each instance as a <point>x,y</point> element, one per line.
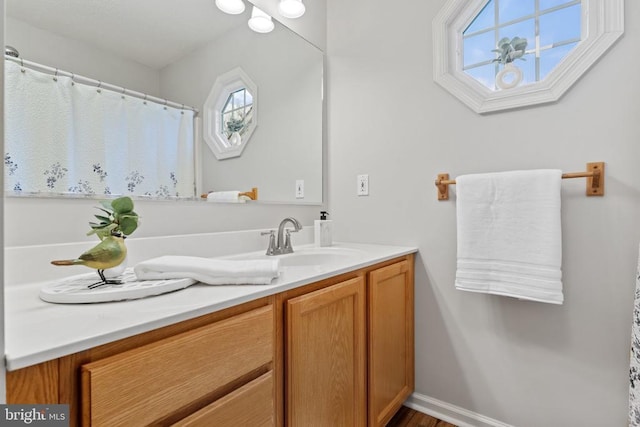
<point>549,29</point>
<point>501,54</point>
<point>230,114</point>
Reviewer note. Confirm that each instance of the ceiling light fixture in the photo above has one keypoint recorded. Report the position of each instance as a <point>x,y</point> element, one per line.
<point>260,22</point>
<point>232,7</point>
<point>291,8</point>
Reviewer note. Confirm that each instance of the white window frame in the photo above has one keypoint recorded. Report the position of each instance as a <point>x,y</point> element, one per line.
<point>225,85</point>
<point>602,25</point>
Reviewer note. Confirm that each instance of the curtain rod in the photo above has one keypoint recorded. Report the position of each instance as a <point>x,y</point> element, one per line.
<point>594,175</point>
<point>99,84</point>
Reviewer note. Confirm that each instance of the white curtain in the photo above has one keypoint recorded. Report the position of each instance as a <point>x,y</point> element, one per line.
<point>634,363</point>
<point>65,137</point>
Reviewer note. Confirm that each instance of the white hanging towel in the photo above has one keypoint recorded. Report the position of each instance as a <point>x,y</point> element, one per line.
<point>509,234</point>
<point>634,359</point>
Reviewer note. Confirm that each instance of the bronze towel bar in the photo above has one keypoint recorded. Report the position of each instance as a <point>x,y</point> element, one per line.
<point>594,175</point>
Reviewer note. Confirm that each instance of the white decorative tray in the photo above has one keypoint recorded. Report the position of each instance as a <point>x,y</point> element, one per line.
<point>76,290</point>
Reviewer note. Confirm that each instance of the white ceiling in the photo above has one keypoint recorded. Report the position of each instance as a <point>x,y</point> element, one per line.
<point>152,32</point>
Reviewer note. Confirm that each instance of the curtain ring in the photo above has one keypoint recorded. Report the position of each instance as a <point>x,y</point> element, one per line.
<point>99,90</point>
<point>72,77</point>
<point>145,99</point>
<point>55,76</point>
<point>165,104</point>
<point>22,66</point>
<point>124,90</point>
<point>182,112</point>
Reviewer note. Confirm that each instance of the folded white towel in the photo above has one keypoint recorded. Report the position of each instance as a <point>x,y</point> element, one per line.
<point>208,270</point>
<point>226,197</point>
<point>509,234</point>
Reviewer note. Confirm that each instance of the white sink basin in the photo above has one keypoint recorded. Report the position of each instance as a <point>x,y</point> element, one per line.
<point>312,256</point>
<point>319,256</point>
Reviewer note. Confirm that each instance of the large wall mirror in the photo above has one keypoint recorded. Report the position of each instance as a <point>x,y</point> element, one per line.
<point>176,50</point>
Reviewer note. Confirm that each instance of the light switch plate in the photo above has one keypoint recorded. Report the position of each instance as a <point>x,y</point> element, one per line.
<point>300,189</point>
<point>363,185</point>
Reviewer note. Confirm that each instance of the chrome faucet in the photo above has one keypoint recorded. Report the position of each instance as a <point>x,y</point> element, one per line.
<point>283,244</point>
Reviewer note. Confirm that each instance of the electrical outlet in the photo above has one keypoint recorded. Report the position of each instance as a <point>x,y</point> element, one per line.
<point>300,189</point>
<point>363,185</point>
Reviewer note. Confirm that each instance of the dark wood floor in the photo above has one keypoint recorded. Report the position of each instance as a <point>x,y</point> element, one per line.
<point>407,417</point>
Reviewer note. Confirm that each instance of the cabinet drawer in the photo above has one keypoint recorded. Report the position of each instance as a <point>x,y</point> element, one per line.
<point>250,405</point>
<point>149,383</point>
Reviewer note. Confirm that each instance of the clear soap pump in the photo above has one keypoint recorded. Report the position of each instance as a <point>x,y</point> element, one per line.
<point>323,230</point>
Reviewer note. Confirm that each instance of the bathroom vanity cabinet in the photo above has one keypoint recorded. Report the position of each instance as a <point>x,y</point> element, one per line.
<point>338,351</point>
<point>349,347</point>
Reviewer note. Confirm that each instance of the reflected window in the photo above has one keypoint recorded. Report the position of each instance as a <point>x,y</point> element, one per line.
<point>552,29</point>
<point>230,114</point>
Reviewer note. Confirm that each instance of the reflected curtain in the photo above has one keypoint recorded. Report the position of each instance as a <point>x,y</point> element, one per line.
<point>66,137</point>
<point>634,363</point>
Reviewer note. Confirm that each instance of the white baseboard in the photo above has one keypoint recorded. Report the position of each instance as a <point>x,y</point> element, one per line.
<point>450,413</point>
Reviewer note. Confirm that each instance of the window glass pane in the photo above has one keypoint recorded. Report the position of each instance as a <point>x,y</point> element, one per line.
<point>485,19</point>
<point>563,24</point>
<point>249,98</point>
<point>238,98</point>
<point>509,10</point>
<point>552,57</point>
<point>478,48</point>
<point>485,75</point>
<point>528,67</point>
<point>524,29</point>
<point>225,119</point>
<point>546,4</point>
<point>229,105</point>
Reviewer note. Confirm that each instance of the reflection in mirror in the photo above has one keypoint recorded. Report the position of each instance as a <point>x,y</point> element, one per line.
<point>63,136</point>
<point>176,53</point>
<point>230,114</point>
<point>237,115</point>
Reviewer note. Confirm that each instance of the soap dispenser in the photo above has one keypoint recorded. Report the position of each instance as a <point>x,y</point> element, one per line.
<point>323,230</point>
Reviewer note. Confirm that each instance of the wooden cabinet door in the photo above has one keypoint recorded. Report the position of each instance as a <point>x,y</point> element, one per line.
<point>391,358</point>
<point>326,357</point>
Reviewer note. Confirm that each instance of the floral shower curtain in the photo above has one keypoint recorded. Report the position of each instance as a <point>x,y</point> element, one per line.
<point>65,137</point>
<point>634,365</point>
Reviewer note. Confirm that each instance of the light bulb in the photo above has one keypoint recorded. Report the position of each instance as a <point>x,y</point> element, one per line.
<point>291,8</point>
<point>260,22</point>
<point>232,7</point>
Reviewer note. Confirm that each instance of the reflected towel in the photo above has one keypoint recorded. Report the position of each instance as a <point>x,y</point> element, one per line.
<point>226,197</point>
<point>509,234</point>
<point>208,270</point>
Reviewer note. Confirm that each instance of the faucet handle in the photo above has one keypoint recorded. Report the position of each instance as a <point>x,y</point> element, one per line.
<point>271,250</point>
<point>287,240</point>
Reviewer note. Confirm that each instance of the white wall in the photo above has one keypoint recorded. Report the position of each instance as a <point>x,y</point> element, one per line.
<point>44,47</point>
<point>523,363</point>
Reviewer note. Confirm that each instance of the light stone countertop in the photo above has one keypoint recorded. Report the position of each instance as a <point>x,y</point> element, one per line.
<point>37,331</point>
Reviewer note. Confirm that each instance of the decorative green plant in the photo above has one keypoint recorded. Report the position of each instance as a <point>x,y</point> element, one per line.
<point>119,219</point>
<point>235,125</point>
<point>510,49</point>
<point>238,124</point>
